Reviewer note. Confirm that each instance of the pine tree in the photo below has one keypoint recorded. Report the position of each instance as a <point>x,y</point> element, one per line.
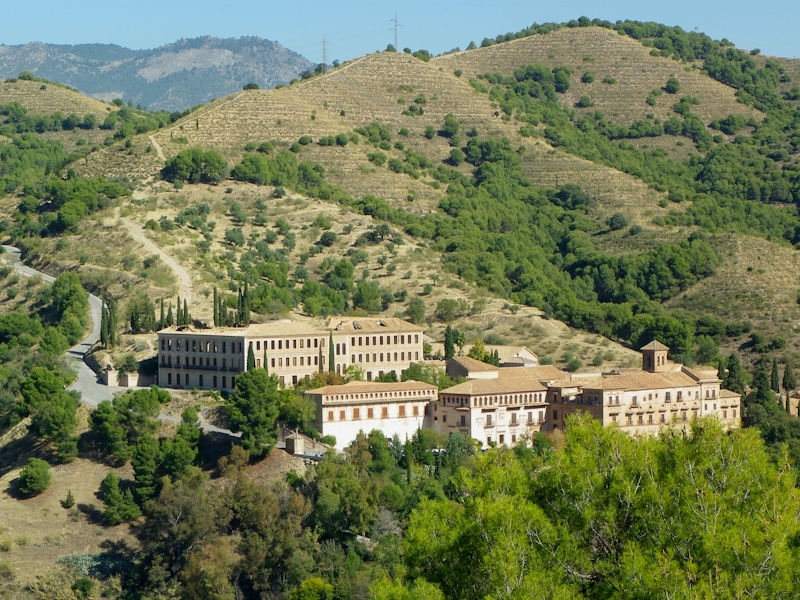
<point>331,356</point>
<point>251,357</point>
<point>775,379</point>
<point>789,380</point>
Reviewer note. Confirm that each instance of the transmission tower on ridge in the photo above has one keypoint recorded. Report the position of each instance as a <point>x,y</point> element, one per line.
<point>324,51</point>
<point>394,28</point>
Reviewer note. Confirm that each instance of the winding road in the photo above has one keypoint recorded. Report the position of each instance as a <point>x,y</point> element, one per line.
<point>92,390</point>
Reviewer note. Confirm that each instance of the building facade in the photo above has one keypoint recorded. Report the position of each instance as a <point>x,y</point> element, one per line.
<point>211,358</point>
<point>393,408</point>
<point>497,406</point>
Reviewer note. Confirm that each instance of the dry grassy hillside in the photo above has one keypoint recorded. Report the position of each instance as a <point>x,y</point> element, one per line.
<point>604,53</point>
<point>367,90</point>
<point>45,99</point>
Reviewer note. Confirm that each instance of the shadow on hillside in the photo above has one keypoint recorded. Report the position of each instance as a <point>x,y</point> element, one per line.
<point>93,514</point>
<point>17,452</point>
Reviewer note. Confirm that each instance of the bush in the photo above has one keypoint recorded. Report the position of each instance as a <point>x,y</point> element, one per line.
<point>35,477</point>
<point>672,86</point>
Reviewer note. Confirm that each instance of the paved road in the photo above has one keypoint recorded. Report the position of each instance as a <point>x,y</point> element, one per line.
<point>92,390</point>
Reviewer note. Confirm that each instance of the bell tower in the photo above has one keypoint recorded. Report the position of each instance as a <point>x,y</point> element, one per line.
<point>654,357</point>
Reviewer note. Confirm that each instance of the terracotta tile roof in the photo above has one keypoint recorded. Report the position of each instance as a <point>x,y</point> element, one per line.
<point>284,327</point>
<point>542,372</point>
<point>362,387</point>
<point>701,373</point>
<point>723,393</point>
<point>638,381</point>
<point>482,387</point>
<point>471,364</point>
<point>655,345</point>
<point>370,325</point>
<point>235,332</point>
<point>509,353</point>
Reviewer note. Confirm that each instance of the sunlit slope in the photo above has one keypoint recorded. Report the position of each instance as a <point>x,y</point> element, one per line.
<point>611,56</point>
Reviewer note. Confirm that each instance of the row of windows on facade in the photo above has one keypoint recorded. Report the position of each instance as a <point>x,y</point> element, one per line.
<point>201,346</point>
<point>364,358</point>
<point>614,400</point>
<point>200,381</point>
<point>493,400</point>
<point>501,440</point>
<point>370,413</point>
<point>513,421</point>
<point>236,363</point>
<point>662,418</point>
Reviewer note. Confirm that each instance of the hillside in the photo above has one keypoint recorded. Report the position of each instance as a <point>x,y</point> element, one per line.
<point>172,77</point>
<point>407,97</point>
<point>606,55</point>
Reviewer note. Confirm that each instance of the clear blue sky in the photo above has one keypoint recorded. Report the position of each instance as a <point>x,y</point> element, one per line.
<point>357,27</point>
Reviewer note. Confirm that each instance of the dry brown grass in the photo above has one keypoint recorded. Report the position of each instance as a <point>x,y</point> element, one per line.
<point>52,99</point>
<point>606,54</point>
<point>40,529</point>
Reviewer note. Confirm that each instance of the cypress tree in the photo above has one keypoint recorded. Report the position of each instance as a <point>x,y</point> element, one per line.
<point>170,317</point>
<point>789,380</point>
<point>179,314</point>
<point>161,316</point>
<point>251,357</point>
<point>788,403</point>
<point>775,379</point>
<point>331,356</point>
<point>266,366</point>
<point>449,342</point>
<point>104,325</point>
<point>187,319</point>
<point>216,308</point>
<point>246,305</point>
<point>735,379</point>
<point>112,323</point>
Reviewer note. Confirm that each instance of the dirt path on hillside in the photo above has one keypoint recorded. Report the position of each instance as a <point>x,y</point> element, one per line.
<point>136,231</point>
<point>159,150</point>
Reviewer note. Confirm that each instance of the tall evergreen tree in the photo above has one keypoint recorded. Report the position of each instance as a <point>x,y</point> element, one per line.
<point>266,366</point>
<point>178,313</point>
<point>170,316</point>
<point>251,357</point>
<point>104,325</point>
<point>112,323</point>
<point>788,403</point>
<point>246,305</point>
<point>216,308</point>
<point>187,318</point>
<point>449,342</point>
<point>789,380</point>
<point>775,380</point>
<point>735,378</point>
<point>161,316</point>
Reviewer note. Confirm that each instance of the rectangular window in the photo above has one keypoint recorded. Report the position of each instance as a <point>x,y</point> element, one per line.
<point>341,415</point>
<point>370,413</point>
<point>416,411</point>
<point>488,420</point>
<point>381,341</point>
<point>555,415</point>
<point>668,396</point>
<point>356,414</point>
<point>402,411</point>
<point>513,418</point>
<point>641,419</point>
<point>330,415</point>
<point>258,345</point>
<point>385,412</point>
<point>273,362</point>
<point>463,420</point>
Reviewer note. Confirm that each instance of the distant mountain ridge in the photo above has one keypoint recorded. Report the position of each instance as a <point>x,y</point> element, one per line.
<point>172,77</point>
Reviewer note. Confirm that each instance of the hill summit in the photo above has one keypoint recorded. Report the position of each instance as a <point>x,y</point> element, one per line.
<point>172,77</point>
